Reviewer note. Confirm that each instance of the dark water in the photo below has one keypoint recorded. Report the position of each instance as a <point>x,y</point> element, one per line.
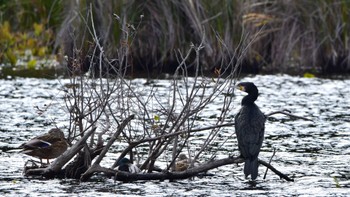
<point>316,154</point>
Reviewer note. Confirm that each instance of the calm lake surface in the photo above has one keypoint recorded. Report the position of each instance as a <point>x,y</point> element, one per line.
<point>316,154</point>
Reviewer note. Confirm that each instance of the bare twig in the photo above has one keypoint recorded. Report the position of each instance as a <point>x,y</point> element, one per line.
<point>283,176</point>
<point>96,165</point>
<point>274,152</point>
<point>287,112</point>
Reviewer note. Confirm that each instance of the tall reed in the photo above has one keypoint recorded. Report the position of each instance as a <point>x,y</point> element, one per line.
<point>292,36</point>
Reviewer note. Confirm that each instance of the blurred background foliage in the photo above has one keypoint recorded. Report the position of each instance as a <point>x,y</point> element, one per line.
<point>27,34</point>
<point>261,36</point>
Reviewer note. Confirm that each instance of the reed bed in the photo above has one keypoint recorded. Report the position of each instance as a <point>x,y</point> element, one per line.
<point>258,36</point>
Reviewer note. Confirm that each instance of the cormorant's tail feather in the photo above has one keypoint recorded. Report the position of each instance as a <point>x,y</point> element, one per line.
<point>251,168</point>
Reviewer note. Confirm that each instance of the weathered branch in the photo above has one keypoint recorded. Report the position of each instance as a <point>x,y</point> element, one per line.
<point>69,154</point>
<point>125,176</point>
<point>287,112</point>
<point>136,143</point>
<point>95,167</point>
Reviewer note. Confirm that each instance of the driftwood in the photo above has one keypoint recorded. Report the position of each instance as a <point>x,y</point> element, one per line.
<point>125,176</point>
<point>81,163</point>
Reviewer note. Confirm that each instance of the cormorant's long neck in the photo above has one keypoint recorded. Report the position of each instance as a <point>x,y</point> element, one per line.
<point>250,98</point>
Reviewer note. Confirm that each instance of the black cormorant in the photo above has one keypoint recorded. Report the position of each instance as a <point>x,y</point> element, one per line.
<point>250,126</point>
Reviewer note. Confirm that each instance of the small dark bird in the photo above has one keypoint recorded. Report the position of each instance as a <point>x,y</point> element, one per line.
<point>127,166</point>
<point>250,128</point>
<point>47,146</point>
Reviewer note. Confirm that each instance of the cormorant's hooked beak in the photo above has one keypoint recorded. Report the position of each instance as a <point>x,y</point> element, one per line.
<point>240,87</point>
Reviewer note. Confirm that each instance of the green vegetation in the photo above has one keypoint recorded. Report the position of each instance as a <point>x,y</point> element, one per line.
<point>27,36</point>
<point>270,36</point>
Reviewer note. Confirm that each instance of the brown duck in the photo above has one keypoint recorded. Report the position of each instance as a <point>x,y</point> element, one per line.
<point>47,146</point>
<point>182,163</point>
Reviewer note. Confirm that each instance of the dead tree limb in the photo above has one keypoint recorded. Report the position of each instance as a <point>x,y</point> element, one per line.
<point>96,166</point>
<point>136,143</point>
<point>287,112</point>
<point>69,154</point>
<point>125,176</point>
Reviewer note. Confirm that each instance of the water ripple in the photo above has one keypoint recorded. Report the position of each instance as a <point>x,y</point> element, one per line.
<point>316,154</point>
